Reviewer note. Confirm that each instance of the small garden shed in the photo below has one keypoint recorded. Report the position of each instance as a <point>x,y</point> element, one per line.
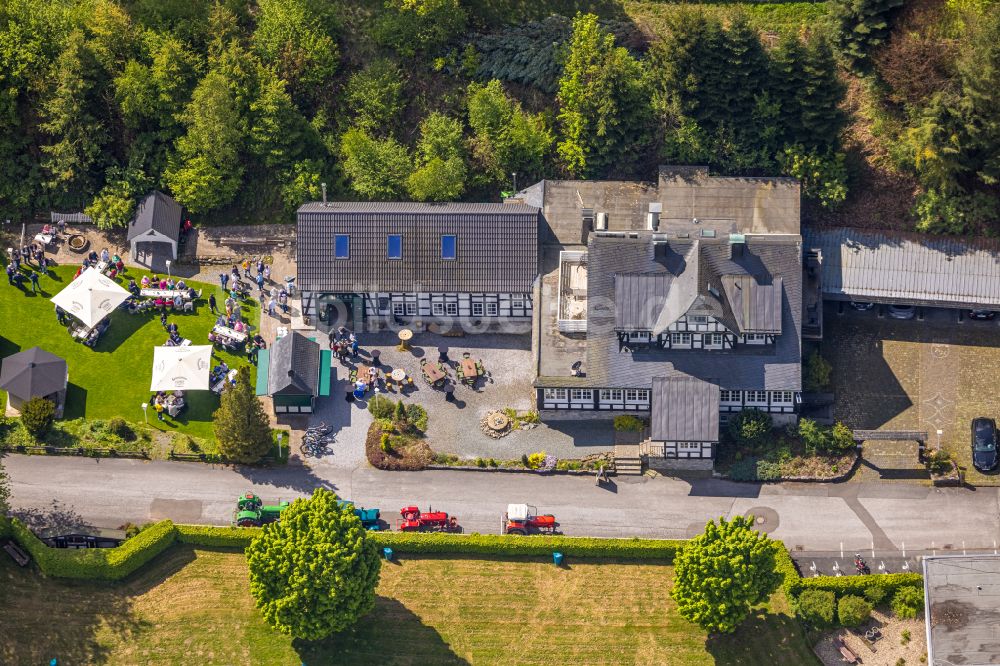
<point>294,372</point>
<point>34,373</point>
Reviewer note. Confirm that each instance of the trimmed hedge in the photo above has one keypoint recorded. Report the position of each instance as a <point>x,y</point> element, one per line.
<point>473,544</point>
<point>218,537</point>
<point>97,563</point>
<point>843,585</point>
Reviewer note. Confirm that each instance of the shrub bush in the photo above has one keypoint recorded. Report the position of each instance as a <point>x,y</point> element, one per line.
<point>875,594</point>
<point>817,373</point>
<point>751,427</point>
<point>815,607</point>
<point>852,610</point>
<point>217,537</point>
<point>535,460</point>
<point>629,423</point>
<point>416,415</point>
<point>908,602</point>
<point>120,429</point>
<point>37,416</point>
<point>841,585</point>
<point>381,408</point>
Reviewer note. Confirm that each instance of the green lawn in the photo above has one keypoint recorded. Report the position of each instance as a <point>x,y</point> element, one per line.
<point>113,378</point>
<point>192,606</point>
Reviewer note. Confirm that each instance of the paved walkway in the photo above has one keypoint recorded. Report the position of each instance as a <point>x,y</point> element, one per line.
<point>807,517</point>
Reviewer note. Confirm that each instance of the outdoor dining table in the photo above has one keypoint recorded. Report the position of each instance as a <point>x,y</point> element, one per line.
<point>469,368</point>
<point>404,338</point>
<point>398,375</point>
<point>80,332</point>
<point>230,333</point>
<point>174,405</point>
<point>434,374</point>
<point>44,239</point>
<point>164,293</point>
<point>364,374</point>
<point>219,385</point>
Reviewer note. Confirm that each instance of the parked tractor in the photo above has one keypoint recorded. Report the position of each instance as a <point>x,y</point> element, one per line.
<point>370,518</point>
<point>524,519</point>
<point>252,512</point>
<point>413,520</point>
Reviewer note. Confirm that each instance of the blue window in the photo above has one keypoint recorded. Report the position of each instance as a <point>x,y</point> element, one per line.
<point>394,249</point>
<point>342,246</point>
<point>448,247</point>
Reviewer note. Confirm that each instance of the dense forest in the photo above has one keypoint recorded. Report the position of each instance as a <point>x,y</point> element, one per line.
<point>888,111</point>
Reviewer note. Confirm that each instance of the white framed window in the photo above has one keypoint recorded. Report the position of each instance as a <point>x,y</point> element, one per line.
<point>517,302</point>
<point>581,395</point>
<point>477,309</point>
<point>492,309</point>
<point>638,336</point>
<point>698,319</point>
<point>636,395</point>
<point>611,395</point>
<point>758,397</point>
<point>556,394</point>
<point>756,337</point>
<point>783,397</point>
<point>398,309</point>
<point>729,396</point>
<point>680,338</point>
<point>716,339</point>
<point>437,309</point>
<point>689,446</point>
<point>451,308</point>
<point>411,309</point>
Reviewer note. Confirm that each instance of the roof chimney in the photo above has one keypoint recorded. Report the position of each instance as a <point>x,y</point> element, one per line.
<point>736,244</point>
<point>323,185</point>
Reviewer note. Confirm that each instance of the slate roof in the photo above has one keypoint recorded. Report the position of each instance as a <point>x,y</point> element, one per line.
<point>684,409</point>
<point>771,260</point>
<point>157,212</point>
<point>294,366</point>
<point>497,247</point>
<point>33,372</point>
<point>908,268</point>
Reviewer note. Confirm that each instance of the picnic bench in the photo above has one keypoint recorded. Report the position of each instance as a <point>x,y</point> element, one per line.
<point>164,293</point>
<point>434,374</point>
<point>365,374</point>
<point>846,653</point>
<point>230,333</point>
<point>17,553</point>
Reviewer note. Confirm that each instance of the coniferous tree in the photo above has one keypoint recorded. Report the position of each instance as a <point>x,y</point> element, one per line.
<point>861,26</point>
<point>242,428</point>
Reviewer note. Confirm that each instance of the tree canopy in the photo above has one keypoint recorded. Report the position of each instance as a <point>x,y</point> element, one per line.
<point>720,575</point>
<point>314,572</point>
<point>242,428</point>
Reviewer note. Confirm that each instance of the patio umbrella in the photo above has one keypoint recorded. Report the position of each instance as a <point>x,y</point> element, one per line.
<point>181,368</point>
<point>91,297</point>
<point>33,372</point>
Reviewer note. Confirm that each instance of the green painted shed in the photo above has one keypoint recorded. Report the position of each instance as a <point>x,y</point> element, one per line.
<point>294,372</point>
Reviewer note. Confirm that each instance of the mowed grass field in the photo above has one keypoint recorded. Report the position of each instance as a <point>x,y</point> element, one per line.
<point>192,606</point>
<point>112,379</point>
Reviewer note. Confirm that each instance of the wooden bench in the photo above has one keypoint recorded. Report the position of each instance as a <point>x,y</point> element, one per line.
<point>16,553</point>
<point>845,652</point>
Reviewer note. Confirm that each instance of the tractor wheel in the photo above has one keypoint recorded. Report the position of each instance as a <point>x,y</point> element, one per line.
<point>516,530</point>
<point>247,522</point>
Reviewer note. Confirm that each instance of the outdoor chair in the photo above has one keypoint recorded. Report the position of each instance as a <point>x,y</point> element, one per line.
<point>188,306</point>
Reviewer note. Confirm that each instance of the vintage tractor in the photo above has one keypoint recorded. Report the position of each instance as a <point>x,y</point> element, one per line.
<point>412,520</point>
<point>370,518</point>
<point>524,519</point>
<point>252,512</point>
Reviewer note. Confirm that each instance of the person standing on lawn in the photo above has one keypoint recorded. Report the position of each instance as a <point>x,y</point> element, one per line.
<point>33,276</point>
<point>223,279</point>
<point>211,303</point>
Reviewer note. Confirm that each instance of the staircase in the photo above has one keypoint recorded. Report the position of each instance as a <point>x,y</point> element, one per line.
<point>628,460</point>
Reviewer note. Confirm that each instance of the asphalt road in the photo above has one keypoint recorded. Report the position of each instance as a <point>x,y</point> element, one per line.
<point>807,517</point>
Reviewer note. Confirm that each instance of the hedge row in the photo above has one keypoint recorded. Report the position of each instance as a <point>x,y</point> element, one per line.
<point>97,563</point>
<point>473,544</point>
<point>841,585</point>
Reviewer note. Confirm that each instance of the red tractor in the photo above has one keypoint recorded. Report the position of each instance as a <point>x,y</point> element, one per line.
<point>524,519</point>
<point>412,520</point>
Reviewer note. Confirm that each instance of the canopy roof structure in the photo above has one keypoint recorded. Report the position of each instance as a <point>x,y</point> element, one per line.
<point>91,297</point>
<point>181,368</point>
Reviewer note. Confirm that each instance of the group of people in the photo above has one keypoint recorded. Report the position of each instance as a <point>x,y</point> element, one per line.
<point>343,343</point>
<point>174,338</point>
<point>168,403</point>
<point>25,255</point>
<point>113,263</point>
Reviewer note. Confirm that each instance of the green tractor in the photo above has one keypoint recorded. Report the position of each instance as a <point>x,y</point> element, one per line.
<point>252,512</point>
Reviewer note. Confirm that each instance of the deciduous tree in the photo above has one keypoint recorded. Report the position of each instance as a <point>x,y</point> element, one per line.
<point>314,572</point>
<point>507,139</point>
<point>419,26</point>
<point>377,168</point>
<point>720,575</point>
<point>374,95</point>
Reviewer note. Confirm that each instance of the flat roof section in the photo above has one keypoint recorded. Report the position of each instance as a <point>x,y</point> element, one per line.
<point>962,609</point>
